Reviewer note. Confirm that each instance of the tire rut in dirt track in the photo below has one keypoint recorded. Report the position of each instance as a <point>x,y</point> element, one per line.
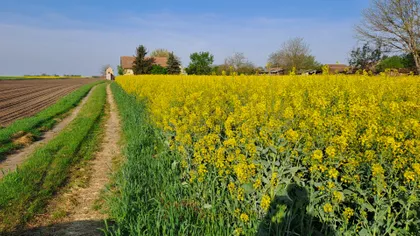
<point>23,98</point>
<point>14,160</point>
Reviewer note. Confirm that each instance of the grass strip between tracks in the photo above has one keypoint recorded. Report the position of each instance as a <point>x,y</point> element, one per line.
<point>44,120</point>
<point>26,191</point>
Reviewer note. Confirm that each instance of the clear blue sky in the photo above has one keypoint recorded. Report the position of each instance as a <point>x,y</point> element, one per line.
<point>79,36</point>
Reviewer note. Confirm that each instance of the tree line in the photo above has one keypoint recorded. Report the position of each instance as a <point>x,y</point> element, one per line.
<point>294,54</point>
<point>390,30</point>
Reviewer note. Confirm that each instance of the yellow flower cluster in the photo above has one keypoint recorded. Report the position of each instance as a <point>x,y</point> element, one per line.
<point>328,208</point>
<point>377,170</point>
<point>265,202</point>
<point>257,134</point>
<point>244,217</point>
<point>348,213</point>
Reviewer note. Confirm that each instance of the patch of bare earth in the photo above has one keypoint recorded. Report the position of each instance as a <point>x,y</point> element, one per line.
<point>75,211</point>
<point>24,98</point>
<point>24,140</point>
<point>14,160</point>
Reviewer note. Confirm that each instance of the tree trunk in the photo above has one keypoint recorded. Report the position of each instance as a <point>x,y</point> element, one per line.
<point>417,60</point>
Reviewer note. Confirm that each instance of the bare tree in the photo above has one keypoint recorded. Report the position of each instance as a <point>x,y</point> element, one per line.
<point>160,52</point>
<point>104,68</point>
<point>237,60</point>
<point>239,63</point>
<point>394,23</point>
<point>294,53</point>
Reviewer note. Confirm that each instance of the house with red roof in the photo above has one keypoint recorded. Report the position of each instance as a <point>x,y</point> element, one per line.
<point>127,62</point>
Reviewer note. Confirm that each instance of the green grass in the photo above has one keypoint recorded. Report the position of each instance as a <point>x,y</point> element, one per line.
<point>26,191</point>
<point>150,197</point>
<point>11,77</point>
<point>44,120</point>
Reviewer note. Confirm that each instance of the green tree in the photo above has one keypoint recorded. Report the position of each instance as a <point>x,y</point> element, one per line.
<point>174,65</point>
<point>120,70</point>
<point>219,69</point>
<point>408,61</point>
<point>366,57</point>
<point>142,65</point>
<point>394,62</point>
<point>247,69</point>
<point>310,63</point>
<point>158,70</point>
<point>200,63</point>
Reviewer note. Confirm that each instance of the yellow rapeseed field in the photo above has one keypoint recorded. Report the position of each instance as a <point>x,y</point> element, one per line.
<point>351,142</point>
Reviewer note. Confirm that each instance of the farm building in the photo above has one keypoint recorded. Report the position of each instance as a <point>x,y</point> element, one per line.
<point>126,63</point>
<point>108,72</point>
<point>338,68</point>
<point>274,71</point>
<point>309,72</point>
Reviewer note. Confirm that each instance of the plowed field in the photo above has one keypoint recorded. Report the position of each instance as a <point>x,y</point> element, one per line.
<point>23,98</point>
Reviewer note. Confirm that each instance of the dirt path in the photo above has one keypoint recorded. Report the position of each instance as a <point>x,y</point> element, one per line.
<point>79,202</point>
<point>14,160</point>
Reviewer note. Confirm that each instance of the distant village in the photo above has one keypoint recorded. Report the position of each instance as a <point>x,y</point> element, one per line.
<point>292,58</point>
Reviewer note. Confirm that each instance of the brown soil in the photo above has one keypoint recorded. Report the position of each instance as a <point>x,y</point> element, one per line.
<point>14,160</point>
<point>23,98</point>
<point>74,212</point>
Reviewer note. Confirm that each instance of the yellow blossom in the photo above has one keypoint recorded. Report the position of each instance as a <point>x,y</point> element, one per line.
<point>416,168</point>
<point>265,202</point>
<point>338,196</point>
<point>330,151</point>
<point>377,170</point>
<point>333,173</point>
<point>193,176</point>
<point>409,176</point>
<point>317,155</point>
<point>292,136</point>
<point>230,143</point>
<point>257,184</point>
<point>322,168</point>
<point>240,195</point>
<point>244,217</point>
<point>238,231</point>
<point>274,179</point>
<point>348,213</point>
<point>328,208</point>
<point>331,185</point>
<point>231,187</point>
